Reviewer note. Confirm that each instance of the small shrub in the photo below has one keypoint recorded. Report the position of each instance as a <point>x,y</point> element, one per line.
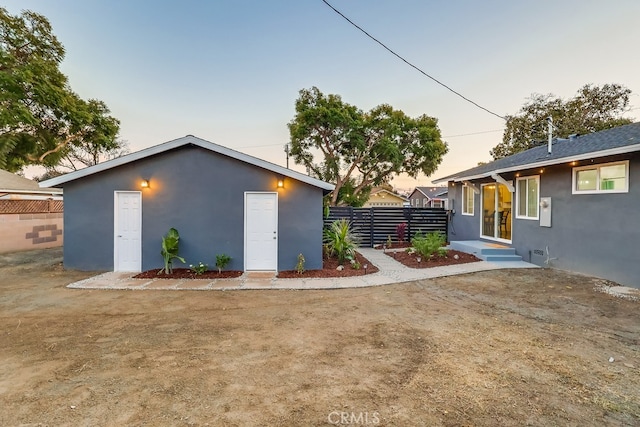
<point>389,241</point>
<point>340,241</point>
<point>221,261</point>
<point>401,230</point>
<point>429,244</point>
<point>199,269</point>
<point>355,264</point>
<point>300,264</point>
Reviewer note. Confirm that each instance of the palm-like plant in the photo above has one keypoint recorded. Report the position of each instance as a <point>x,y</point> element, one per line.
<point>340,240</point>
<point>170,250</point>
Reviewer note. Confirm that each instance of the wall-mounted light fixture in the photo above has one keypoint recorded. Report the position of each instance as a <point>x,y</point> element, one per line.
<point>280,182</point>
<point>144,183</point>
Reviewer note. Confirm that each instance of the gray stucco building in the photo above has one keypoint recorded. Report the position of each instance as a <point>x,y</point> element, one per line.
<point>571,205</point>
<point>221,202</point>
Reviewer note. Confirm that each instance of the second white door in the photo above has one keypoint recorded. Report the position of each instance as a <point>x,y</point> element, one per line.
<point>261,231</point>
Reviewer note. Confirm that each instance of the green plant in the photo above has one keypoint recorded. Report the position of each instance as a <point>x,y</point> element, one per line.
<point>199,269</point>
<point>221,261</point>
<point>340,240</point>
<point>389,241</point>
<point>300,264</point>
<point>169,250</point>
<point>355,264</point>
<point>429,244</point>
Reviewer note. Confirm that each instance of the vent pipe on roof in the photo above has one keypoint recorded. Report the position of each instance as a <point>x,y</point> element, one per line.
<point>550,123</point>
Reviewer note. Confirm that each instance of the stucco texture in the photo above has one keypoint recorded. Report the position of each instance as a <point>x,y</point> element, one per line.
<point>201,194</point>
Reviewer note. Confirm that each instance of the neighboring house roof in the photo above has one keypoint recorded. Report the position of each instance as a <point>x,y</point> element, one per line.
<point>618,140</point>
<point>12,183</point>
<point>181,142</point>
<point>391,193</point>
<point>431,192</point>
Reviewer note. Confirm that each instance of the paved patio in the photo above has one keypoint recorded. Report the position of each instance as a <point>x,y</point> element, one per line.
<point>391,271</point>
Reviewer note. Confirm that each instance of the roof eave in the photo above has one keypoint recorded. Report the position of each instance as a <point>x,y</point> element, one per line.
<point>566,159</point>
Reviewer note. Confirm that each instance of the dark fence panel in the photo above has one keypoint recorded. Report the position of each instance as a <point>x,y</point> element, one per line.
<point>374,225</point>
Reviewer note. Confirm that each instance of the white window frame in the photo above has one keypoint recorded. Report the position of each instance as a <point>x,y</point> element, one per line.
<point>464,201</point>
<point>597,167</point>
<point>514,208</point>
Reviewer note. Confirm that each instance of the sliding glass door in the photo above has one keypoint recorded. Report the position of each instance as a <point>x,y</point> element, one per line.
<point>496,212</point>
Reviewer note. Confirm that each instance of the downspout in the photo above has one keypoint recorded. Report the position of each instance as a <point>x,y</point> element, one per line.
<point>550,126</point>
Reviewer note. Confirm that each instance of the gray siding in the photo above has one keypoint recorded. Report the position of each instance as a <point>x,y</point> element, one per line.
<point>594,234</point>
<point>201,194</point>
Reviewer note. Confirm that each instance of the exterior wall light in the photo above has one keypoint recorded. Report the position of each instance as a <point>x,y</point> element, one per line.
<point>144,183</point>
<point>280,182</point>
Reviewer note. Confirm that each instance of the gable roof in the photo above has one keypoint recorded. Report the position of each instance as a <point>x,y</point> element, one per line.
<point>618,140</point>
<point>181,142</point>
<point>12,183</point>
<point>384,190</point>
<point>431,192</point>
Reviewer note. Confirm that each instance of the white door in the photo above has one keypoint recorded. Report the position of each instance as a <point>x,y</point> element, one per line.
<point>127,254</point>
<point>261,231</point>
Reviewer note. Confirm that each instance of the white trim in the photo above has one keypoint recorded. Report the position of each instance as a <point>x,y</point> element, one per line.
<point>246,193</point>
<point>568,159</point>
<point>597,167</point>
<point>180,142</point>
<point>472,186</point>
<point>496,225</point>
<point>115,229</point>
<point>464,201</point>
<point>515,207</point>
<point>501,180</point>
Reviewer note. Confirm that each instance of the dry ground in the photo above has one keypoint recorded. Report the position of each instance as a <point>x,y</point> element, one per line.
<point>519,347</point>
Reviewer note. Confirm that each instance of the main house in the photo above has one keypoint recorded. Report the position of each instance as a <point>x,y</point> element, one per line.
<point>221,202</point>
<point>571,204</point>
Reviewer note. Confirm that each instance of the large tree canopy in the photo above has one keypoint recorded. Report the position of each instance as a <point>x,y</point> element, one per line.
<point>592,109</point>
<point>41,118</point>
<point>359,149</point>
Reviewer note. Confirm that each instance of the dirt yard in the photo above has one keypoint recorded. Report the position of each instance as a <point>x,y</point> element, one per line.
<point>508,348</point>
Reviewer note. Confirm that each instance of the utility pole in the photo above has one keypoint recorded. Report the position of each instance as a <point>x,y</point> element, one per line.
<point>286,150</point>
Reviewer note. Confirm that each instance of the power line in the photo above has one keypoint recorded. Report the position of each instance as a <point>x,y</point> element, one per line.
<point>474,133</point>
<point>410,64</point>
<point>446,136</point>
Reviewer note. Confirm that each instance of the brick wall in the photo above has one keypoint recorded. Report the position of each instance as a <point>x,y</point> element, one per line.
<point>30,224</point>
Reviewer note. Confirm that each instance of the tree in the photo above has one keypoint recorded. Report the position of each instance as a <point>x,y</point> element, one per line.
<point>41,118</point>
<point>78,157</point>
<point>361,149</point>
<point>592,109</point>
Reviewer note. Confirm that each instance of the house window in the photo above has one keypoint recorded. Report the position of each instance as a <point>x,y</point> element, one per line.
<point>605,178</point>
<point>437,204</point>
<point>527,197</point>
<point>467,200</point>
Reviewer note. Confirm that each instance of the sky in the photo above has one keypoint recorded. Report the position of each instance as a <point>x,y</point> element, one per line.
<point>229,71</point>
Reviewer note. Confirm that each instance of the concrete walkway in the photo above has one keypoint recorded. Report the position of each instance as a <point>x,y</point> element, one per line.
<point>391,271</point>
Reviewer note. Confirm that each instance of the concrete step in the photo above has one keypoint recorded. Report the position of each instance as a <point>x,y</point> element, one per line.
<point>486,251</point>
<point>497,258</point>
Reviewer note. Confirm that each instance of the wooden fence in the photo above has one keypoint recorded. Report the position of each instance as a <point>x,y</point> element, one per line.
<point>374,225</point>
<point>19,206</point>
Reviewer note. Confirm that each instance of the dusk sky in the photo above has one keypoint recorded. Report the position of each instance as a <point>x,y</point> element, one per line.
<point>230,71</point>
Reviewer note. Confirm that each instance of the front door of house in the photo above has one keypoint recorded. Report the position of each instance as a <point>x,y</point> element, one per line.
<point>127,254</point>
<point>261,231</point>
